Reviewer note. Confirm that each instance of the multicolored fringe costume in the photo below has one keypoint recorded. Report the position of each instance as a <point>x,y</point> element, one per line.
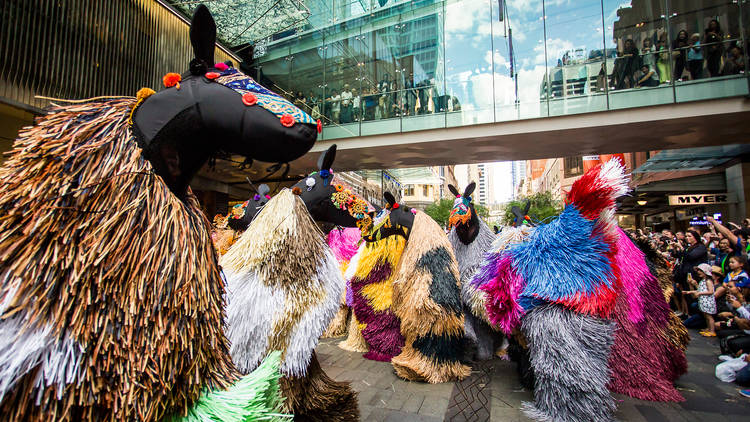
<point>344,244</point>
<point>111,300</point>
<point>427,299</point>
<point>643,361</point>
<point>372,296</point>
<point>470,258</point>
<point>284,286</point>
<point>659,268</point>
<point>581,269</point>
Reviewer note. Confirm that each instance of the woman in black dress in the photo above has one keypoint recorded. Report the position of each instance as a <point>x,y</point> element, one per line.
<point>679,52</point>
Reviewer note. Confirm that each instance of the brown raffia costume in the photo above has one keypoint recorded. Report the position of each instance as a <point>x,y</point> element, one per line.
<point>283,289</point>
<point>426,297</point>
<point>100,322</point>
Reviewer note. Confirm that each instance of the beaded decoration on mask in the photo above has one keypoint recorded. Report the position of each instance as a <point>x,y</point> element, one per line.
<point>357,207</point>
<point>238,211</point>
<point>461,212</point>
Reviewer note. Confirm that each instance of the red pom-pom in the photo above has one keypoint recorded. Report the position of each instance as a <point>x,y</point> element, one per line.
<point>249,99</point>
<point>268,196</point>
<point>212,75</point>
<point>287,120</point>
<point>395,206</point>
<point>221,66</point>
<point>320,126</point>
<point>172,79</point>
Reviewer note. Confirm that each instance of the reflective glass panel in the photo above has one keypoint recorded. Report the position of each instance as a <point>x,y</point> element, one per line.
<point>523,40</point>
<point>468,63</point>
<point>638,64</point>
<point>705,61</point>
<point>575,57</point>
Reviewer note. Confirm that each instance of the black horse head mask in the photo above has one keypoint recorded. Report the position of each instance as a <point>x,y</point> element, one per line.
<point>522,217</point>
<point>215,108</point>
<point>330,202</point>
<point>241,215</point>
<point>399,221</point>
<point>463,215</point>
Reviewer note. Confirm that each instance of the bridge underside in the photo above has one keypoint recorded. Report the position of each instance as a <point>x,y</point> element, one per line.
<point>695,124</point>
<point>673,126</point>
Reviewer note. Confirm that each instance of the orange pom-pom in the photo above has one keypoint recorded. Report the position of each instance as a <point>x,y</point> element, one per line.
<point>172,79</point>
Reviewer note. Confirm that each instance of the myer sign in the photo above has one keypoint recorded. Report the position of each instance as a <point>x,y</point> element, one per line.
<point>699,198</point>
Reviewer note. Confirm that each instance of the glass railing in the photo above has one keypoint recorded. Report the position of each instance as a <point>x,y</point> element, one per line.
<point>423,108</point>
<point>437,64</point>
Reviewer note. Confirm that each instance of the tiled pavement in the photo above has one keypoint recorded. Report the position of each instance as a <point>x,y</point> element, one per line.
<point>385,397</point>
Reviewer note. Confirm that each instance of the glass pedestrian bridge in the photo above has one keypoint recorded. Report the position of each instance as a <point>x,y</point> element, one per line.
<point>368,67</point>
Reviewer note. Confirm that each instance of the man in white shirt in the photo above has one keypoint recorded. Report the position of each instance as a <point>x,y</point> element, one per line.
<point>346,105</point>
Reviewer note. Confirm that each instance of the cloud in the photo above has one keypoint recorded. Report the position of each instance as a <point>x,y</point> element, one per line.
<point>469,18</point>
<point>556,47</point>
<point>533,6</point>
<point>500,60</point>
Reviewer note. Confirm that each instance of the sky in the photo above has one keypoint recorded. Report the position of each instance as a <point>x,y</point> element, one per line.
<point>501,179</point>
<point>473,37</point>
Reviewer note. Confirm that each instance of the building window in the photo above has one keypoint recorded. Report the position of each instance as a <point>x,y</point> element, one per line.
<point>573,166</point>
<point>425,190</point>
<point>409,190</point>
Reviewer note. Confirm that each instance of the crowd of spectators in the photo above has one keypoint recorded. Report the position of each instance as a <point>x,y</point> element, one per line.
<point>383,100</point>
<point>693,56</point>
<point>712,288</point>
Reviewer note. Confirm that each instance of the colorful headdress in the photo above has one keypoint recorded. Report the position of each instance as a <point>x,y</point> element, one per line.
<point>344,199</point>
<point>462,209</point>
<point>254,93</point>
<point>461,212</point>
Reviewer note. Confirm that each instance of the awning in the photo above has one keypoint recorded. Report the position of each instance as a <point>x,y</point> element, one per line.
<point>704,158</point>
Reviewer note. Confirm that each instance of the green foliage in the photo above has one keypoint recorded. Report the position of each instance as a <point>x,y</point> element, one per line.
<point>483,211</point>
<point>440,211</point>
<point>543,206</point>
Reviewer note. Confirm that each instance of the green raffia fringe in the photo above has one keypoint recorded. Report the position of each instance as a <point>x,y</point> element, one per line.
<point>254,397</point>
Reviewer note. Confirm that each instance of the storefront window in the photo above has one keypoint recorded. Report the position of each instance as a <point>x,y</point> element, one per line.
<point>573,166</point>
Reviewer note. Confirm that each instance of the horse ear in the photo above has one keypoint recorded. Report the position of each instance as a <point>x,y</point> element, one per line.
<point>469,189</point>
<point>527,208</point>
<point>203,35</point>
<point>263,189</point>
<point>389,198</point>
<point>326,159</point>
<point>517,212</point>
<point>453,190</point>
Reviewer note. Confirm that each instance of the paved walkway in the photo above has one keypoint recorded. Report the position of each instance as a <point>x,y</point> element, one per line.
<point>385,397</point>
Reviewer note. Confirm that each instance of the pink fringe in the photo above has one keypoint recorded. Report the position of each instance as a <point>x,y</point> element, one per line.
<point>633,273</point>
<point>642,361</point>
<point>344,243</point>
<point>502,291</point>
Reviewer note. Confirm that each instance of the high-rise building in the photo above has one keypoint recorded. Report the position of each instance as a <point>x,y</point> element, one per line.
<point>518,174</point>
<point>484,193</point>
